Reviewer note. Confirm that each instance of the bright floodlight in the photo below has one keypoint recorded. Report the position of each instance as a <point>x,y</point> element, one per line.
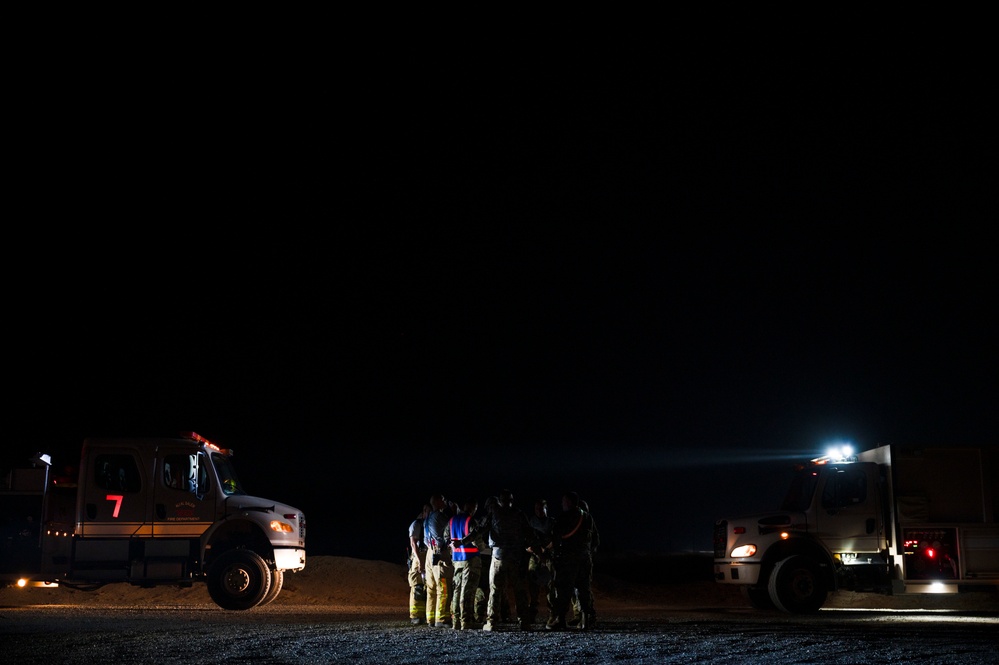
<point>839,451</point>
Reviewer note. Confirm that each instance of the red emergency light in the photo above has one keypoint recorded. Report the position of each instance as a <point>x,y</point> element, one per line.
<point>194,436</point>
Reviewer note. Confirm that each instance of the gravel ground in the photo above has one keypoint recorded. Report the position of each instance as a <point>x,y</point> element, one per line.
<point>310,634</point>
<point>346,610</point>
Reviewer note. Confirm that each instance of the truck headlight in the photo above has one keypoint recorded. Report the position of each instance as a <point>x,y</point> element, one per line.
<point>281,526</point>
<point>743,551</point>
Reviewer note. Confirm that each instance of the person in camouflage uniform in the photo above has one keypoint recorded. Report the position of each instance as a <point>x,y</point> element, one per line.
<point>572,561</point>
<point>510,536</point>
<point>539,567</point>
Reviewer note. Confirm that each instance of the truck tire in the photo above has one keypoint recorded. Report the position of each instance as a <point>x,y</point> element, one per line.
<point>239,580</point>
<point>796,585</point>
<point>277,583</point>
<point>758,597</point>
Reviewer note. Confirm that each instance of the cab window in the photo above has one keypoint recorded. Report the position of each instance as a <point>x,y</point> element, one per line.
<point>844,487</point>
<point>117,473</point>
<point>187,473</point>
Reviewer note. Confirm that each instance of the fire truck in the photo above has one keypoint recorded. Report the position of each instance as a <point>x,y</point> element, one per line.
<point>891,520</point>
<point>147,512</point>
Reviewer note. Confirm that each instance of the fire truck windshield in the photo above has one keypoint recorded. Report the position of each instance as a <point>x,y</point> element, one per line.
<point>228,479</point>
<point>799,494</point>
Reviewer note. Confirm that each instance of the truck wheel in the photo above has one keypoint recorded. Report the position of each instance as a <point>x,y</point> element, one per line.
<point>796,585</point>
<point>277,583</point>
<point>239,580</point>
<point>758,597</point>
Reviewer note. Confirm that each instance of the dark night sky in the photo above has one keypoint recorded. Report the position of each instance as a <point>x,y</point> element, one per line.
<point>652,275</point>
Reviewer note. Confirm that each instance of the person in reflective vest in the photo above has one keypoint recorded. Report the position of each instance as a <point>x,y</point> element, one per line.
<point>467,567</point>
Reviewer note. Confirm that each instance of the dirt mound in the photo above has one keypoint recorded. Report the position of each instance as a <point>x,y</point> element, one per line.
<point>360,583</point>
<point>366,587</point>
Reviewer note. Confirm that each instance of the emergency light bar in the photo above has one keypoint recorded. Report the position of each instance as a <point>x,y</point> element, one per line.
<point>194,436</point>
<point>837,453</point>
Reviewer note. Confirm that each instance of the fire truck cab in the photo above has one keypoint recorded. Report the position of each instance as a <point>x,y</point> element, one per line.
<point>890,520</point>
<point>149,512</point>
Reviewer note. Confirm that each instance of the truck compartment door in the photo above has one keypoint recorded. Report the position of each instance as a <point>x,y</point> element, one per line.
<point>100,559</point>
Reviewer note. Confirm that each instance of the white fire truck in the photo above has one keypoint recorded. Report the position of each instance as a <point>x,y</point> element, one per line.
<point>157,511</point>
<point>892,520</point>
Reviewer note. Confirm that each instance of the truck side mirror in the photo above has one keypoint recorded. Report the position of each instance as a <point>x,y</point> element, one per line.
<point>193,477</point>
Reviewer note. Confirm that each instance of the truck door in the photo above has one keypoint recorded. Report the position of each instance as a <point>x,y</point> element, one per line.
<point>847,518</point>
<point>184,493</point>
<point>113,511</point>
<point>114,498</point>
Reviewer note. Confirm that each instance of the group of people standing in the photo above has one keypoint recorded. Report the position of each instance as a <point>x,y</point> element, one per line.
<point>470,562</point>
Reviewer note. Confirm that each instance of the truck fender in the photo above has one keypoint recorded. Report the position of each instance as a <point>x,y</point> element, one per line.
<point>235,533</point>
<point>799,545</point>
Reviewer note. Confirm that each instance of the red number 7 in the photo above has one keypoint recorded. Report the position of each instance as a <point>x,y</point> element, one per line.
<point>117,502</point>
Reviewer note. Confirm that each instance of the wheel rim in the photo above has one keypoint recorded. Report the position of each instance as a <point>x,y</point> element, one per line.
<point>236,580</point>
<point>803,585</point>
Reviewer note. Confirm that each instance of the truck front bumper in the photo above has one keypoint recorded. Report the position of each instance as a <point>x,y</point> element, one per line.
<point>737,572</point>
<point>289,558</point>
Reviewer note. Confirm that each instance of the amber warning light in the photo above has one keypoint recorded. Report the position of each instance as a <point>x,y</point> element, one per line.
<point>194,436</point>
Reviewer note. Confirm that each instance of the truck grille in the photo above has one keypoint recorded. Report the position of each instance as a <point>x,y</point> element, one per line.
<point>721,538</point>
